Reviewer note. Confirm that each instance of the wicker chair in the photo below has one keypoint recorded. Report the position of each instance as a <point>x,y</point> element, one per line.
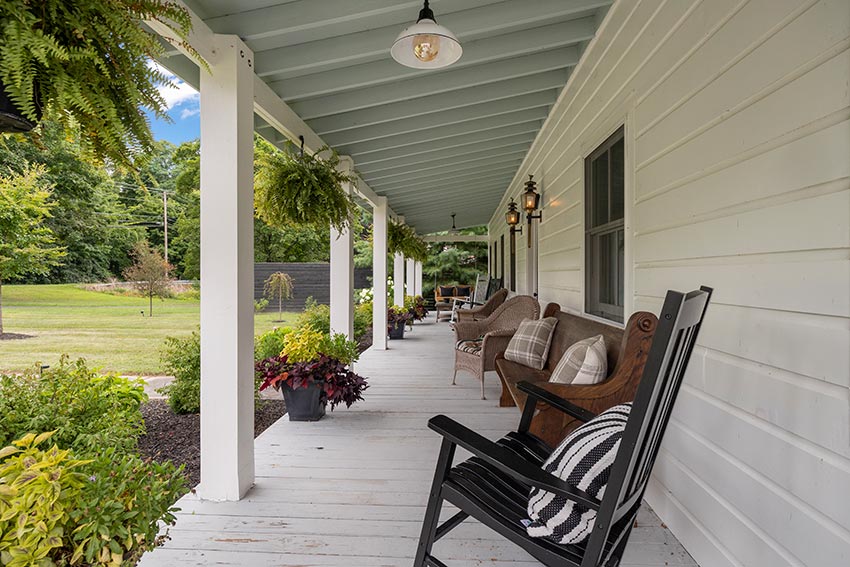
<point>478,342</point>
<point>483,311</point>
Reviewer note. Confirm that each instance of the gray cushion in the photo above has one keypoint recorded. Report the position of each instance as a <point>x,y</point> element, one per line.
<point>585,362</point>
<point>530,344</point>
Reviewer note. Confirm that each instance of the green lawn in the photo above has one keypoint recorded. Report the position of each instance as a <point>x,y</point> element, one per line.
<point>107,330</point>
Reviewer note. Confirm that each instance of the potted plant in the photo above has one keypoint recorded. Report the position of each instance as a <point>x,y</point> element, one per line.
<point>416,307</point>
<point>87,64</point>
<point>397,318</point>
<point>296,188</point>
<point>402,239</point>
<point>313,369</point>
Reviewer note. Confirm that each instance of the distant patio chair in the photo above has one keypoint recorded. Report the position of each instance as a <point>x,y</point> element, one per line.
<point>483,311</point>
<point>479,297</point>
<point>478,342</point>
<point>494,485</point>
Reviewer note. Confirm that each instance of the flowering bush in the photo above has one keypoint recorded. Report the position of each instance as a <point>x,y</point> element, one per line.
<point>397,316</point>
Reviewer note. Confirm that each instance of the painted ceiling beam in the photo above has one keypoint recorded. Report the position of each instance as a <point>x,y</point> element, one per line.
<point>440,103</point>
<point>459,176</point>
<point>440,153</point>
<point>456,238</point>
<point>427,195</point>
<point>539,100</point>
<point>488,156</point>
<point>472,199</point>
<point>501,20</point>
<point>448,136</point>
<point>350,77</point>
<point>302,21</point>
<point>438,82</point>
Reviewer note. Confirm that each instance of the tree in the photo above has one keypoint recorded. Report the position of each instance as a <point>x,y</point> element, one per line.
<point>455,263</point>
<point>149,273</point>
<point>27,246</point>
<point>279,286</point>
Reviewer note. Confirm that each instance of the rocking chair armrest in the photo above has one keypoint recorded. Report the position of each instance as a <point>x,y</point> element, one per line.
<point>536,394</point>
<point>508,462</point>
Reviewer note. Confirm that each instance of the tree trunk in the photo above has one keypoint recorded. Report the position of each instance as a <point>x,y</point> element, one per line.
<point>1,307</point>
<point>280,307</point>
<point>150,303</point>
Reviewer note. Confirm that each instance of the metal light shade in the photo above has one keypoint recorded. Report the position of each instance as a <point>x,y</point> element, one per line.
<point>530,199</point>
<point>426,44</point>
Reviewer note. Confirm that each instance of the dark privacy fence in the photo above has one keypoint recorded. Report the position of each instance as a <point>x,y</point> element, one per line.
<point>308,279</point>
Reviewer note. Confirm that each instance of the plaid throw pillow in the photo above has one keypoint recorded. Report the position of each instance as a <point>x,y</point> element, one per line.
<point>586,362</point>
<point>584,460</point>
<point>530,344</point>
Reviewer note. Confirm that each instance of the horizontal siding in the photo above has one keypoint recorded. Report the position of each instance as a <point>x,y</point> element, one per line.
<point>737,119</point>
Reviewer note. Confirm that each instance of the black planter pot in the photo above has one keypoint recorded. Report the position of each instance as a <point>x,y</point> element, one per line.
<point>304,404</point>
<point>11,119</point>
<point>397,332</point>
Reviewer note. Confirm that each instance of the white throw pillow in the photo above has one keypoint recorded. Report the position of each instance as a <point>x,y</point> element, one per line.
<point>586,362</point>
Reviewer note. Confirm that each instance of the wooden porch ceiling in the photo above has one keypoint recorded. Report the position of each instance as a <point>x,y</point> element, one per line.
<point>421,138</point>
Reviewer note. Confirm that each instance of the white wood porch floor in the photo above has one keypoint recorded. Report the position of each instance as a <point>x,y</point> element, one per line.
<point>350,490</point>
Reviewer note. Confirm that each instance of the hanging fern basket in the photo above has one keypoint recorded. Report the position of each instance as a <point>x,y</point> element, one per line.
<point>296,188</point>
<point>12,119</point>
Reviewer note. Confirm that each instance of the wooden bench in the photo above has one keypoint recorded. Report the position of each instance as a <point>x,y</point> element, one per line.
<point>627,350</point>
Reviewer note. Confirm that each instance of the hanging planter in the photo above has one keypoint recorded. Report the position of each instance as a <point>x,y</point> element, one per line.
<point>402,239</point>
<point>302,189</point>
<point>86,64</point>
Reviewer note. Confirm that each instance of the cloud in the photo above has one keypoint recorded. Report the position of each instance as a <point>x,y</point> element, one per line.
<point>179,93</point>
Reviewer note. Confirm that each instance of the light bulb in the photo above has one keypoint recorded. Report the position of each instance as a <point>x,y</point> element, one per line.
<point>426,46</point>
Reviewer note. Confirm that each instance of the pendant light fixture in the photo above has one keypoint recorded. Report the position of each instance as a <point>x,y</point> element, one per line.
<point>454,229</point>
<point>426,44</point>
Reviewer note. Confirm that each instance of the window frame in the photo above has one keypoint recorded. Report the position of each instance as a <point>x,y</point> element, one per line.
<point>594,235</point>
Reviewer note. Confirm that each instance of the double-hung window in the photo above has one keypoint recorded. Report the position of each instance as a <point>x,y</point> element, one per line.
<point>604,228</point>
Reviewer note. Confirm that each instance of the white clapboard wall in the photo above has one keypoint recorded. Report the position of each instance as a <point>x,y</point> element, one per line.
<point>737,121</point>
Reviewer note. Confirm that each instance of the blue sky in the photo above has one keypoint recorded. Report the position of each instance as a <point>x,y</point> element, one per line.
<point>184,109</point>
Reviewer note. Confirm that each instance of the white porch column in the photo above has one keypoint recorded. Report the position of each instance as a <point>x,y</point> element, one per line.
<point>417,279</point>
<point>398,279</point>
<point>379,274</point>
<point>227,272</point>
<point>410,277</point>
<point>342,270</point>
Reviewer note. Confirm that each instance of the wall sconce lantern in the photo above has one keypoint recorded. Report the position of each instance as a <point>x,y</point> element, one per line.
<point>530,202</point>
<point>512,217</point>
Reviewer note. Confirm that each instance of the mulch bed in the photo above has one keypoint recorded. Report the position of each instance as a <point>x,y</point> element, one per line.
<point>177,438</point>
<point>13,336</point>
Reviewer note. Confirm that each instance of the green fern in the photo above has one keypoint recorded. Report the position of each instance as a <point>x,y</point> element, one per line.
<point>403,239</point>
<point>87,64</point>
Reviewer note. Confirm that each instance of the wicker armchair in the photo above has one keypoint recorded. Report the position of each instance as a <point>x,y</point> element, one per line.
<point>478,342</point>
<point>482,312</point>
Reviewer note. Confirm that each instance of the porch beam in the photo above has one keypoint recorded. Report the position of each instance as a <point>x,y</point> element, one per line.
<point>449,81</point>
<point>456,238</point>
<point>323,79</point>
<point>342,269</point>
<point>227,268</point>
<point>538,100</point>
<point>379,274</point>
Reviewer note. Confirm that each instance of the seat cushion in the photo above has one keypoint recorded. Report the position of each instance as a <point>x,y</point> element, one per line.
<point>530,344</point>
<point>585,362</point>
<point>584,460</point>
<point>463,291</point>
<point>471,346</point>
<point>446,291</point>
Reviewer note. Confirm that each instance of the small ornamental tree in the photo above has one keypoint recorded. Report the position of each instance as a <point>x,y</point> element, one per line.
<point>149,273</point>
<point>279,287</point>
<point>26,245</point>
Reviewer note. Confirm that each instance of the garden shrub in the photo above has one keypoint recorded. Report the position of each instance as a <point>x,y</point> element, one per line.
<point>315,315</point>
<point>270,343</point>
<point>305,344</point>
<point>38,489</point>
<point>57,509</point>
<point>181,357</point>
<point>362,319</point>
<point>87,410</point>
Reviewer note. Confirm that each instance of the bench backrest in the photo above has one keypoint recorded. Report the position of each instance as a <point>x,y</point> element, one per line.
<point>573,328</point>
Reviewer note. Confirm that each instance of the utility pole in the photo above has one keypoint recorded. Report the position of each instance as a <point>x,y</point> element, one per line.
<point>165,221</point>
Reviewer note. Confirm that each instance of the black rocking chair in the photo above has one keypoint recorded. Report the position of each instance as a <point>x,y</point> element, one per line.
<point>493,486</point>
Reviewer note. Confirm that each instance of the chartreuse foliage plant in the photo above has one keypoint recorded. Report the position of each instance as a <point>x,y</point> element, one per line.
<point>38,490</point>
<point>306,343</point>
<point>89,499</point>
<point>87,65</point>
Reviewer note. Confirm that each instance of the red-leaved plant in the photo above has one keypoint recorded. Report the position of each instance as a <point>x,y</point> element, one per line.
<point>339,384</point>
